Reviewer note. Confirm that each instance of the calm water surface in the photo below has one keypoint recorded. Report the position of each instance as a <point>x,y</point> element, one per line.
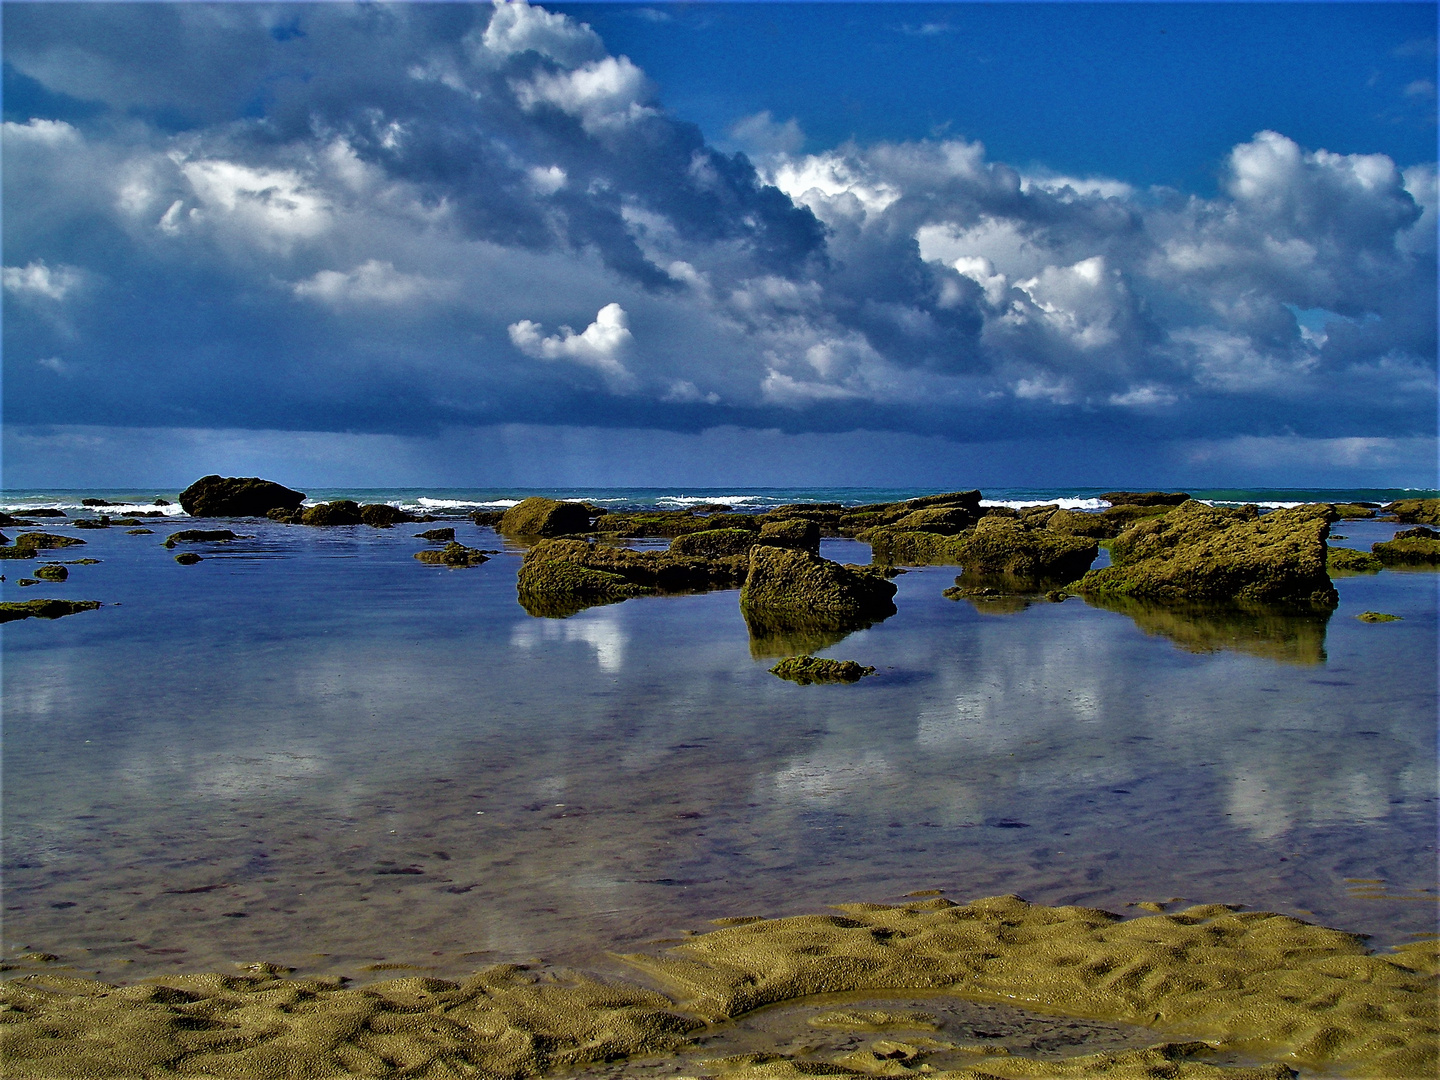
<point>313,750</point>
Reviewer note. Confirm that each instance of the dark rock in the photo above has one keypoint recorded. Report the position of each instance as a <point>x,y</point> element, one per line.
<point>139,532</point>
<point>52,572</point>
<point>716,543</point>
<point>491,518</point>
<point>97,502</point>
<point>187,558</point>
<point>46,540</point>
<point>383,515</point>
<point>438,536</point>
<point>18,551</point>
<point>786,582</point>
<point>453,554</point>
<point>1420,532</point>
<point>1204,553</point>
<point>339,512</point>
<point>1409,511</point>
<point>44,609</point>
<point>4,539</point>
<point>1145,498</point>
<point>161,502</point>
<point>1342,560</point>
<point>199,536</point>
<point>102,522</point>
<point>802,534</point>
<point>536,516</point>
<point>26,582</point>
<point>287,517</point>
<point>237,496</point>
<point>11,522</point>
<point>809,669</point>
<point>989,599</point>
<point>44,513</point>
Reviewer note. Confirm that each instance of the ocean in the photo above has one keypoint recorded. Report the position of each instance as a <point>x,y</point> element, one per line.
<point>310,749</point>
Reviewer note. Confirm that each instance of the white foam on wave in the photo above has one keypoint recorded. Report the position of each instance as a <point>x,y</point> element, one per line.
<point>704,500</point>
<point>466,504</point>
<point>1064,504</point>
<point>115,510</point>
<point>1261,504</point>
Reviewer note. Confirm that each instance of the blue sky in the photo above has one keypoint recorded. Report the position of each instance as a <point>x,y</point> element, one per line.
<point>720,244</point>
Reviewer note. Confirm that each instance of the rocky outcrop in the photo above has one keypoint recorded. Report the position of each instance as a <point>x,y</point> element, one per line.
<point>809,669</point>
<point>958,510</point>
<point>1342,560</point>
<point>383,515</point>
<point>44,609</point>
<point>453,554</point>
<point>568,575</point>
<point>544,517</point>
<point>436,536</point>
<point>1355,511</point>
<point>802,534</point>
<point>44,541</point>
<point>715,543</point>
<point>1408,511</point>
<point>785,583</point>
<point>1009,548</point>
<point>1203,553</point>
<point>1410,547</point>
<point>52,572</point>
<point>1145,498</point>
<point>339,512</point>
<point>237,496</point>
<point>199,536</point>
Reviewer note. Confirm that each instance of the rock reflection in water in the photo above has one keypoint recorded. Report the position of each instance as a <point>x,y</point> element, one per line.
<point>773,636</point>
<point>1288,634</point>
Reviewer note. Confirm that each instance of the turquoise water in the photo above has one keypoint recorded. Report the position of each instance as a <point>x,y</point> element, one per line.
<point>313,750</point>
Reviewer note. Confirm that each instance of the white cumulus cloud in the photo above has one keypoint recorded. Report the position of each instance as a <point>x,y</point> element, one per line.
<point>38,280</point>
<point>600,345</point>
<point>372,281</point>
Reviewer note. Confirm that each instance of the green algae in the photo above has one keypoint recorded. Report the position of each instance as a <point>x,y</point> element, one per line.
<point>199,536</point>
<point>339,512</point>
<point>1376,617</point>
<point>453,554</point>
<point>537,516</point>
<point>1354,511</point>
<point>1415,511</point>
<point>237,496</point>
<point>998,546</point>
<point>1410,547</point>
<point>810,669</point>
<point>44,541</point>
<point>715,543</point>
<point>567,575</point>
<point>1343,560</point>
<point>19,551</point>
<point>52,572</point>
<point>44,609</point>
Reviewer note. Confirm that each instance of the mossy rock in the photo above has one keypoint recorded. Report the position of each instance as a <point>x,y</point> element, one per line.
<point>1145,498</point>
<point>102,522</point>
<point>199,536</point>
<point>19,551</point>
<point>187,558</point>
<point>453,554</point>
<point>139,532</point>
<point>1377,616</point>
<point>799,584</point>
<point>802,534</point>
<point>43,540</point>
<point>339,512</point>
<point>595,572</point>
<point>45,512</point>
<point>383,515</point>
<point>44,609</point>
<point>809,669</point>
<point>491,518</point>
<point>52,572</point>
<point>1409,511</point>
<point>989,599</point>
<point>955,507</point>
<point>537,516</point>
<point>714,543</point>
<point>1001,547</point>
<point>897,546</point>
<point>1353,511</point>
<point>436,536</point>
<point>1408,551</point>
<point>946,520</point>
<point>287,516</point>
<point>237,496</point>
<point>1343,560</point>
<point>1081,523</point>
<point>1204,553</point>
<point>26,582</point>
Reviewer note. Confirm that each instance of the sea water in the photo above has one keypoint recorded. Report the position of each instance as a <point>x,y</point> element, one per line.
<point>313,750</point>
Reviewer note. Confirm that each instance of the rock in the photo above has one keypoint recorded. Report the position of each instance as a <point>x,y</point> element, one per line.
<point>383,515</point>
<point>1417,533</point>
<point>1003,547</point>
<point>573,574</point>
<point>8,521</point>
<point>491,518</point>
<point>786,583</point>
<point>669,523</point>
<point>187,558</point>
<point>453,554</point>
<point>1352,511</point>
<point>893,546</point>
<point>287,517</point>
<point>1080,523</point>
<point>716,543</point>
<point>44,512</point>
<point>802,534</point>
<point>44,609</point>
<point>18,551</point>
<point>161,502</point>
<point>52,572</point>
<point>139,532</point>
<point>1409,511</point>
<point>1145,498</point>
<point>437,536</point>
<point>339,512</point>
<point>237,496</point>
<point>945,520</point>
<point>537,516</point>
<point>97,502</point>
<point>856,519</point>
<point>1377,616</point>
<point>102,522</point>
<point>1199,552</point>
<point>1342,560</point>
<point>1406,549</point>
<point>199,536</point>
<point>988,600</point>
<point>46,540</point>
<point>4,539</point>
<point>808,669</point>
<point>26,582</point>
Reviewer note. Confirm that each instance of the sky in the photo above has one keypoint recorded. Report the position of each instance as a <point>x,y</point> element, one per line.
<point>720,244</point>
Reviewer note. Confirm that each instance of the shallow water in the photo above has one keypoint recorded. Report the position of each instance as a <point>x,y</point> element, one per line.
<point>312,750</point>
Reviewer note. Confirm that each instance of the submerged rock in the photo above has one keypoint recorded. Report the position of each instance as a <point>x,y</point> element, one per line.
<point>809,669</point>
<point>1343,560</point>
<point>44,609</point>
<point>1409,511</point>
<point>52,572</point>
<point>237,496</point>
<point>537,516</point>
<point>1199,552</point>
<point>199,536</point>
<point>436,536</point>
<point>339,512</point>
<point>1377,616</point>
<point>453,554</point>
<point>46,540</point>
<point>139,532</point>
<point>187,558</point>
<point>102,522</point>
<point>492,518</point>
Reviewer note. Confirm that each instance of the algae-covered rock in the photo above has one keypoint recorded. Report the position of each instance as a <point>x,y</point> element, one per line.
<point>809,669</point>
<point>139,532</point>
<point>959,508</point>
<point>802,534</point>
<point>97,502</point>
<point>44,541</point>
<point>45,512</point>
<point>1409,511</point>
<point>990,600</point>
<point>537,516</point>
<point>102,522</point>
<point>998,546</point>
<point>436,536</point>
<point>187,558</point>
<point>383,515</point>
<point>491,518</point>
<point>453,554</point>
<point>1198,552</point>
<point>18,551</point>
<point>1343,560</point>
<point>1145,498</point>
<point>339,512</point>
<point>44,609</point>
<point>1409,549</point>
<point>786,582</point>
<point>52,572</point>
<point>946,520</point>
<point>1288,634</point>
<point>1354,511</point>
<point>893,545</point>
<point>286,516</point>
<point>1080,523</point>
<point>576,571</point>
<point>1377,616</point>
<point>237,496</point>
<point>716,543</point>
<point>199,536</point>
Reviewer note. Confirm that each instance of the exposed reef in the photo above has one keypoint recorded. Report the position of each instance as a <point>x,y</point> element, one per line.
<point>1411,547</point>
<point>564,576</point>
<point>52,572</point>
<point>1343,560</point>
<point>198,536</point>
<point>453,554</point>
<point>544,517</point>
<point>1273,988</point>
<point>383,515</point>
<point>715,543</point>
<point>810,669</point>
<point>1199,552</point>
<point>101,522</point>
<point>339,512</point>
<point>1409,511</point>
<point>801,534</point>
<point>44,609</point>
<point>786,582</point>
<point>436,536</point>
<point>237,496</point>
<point>43,541</point>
